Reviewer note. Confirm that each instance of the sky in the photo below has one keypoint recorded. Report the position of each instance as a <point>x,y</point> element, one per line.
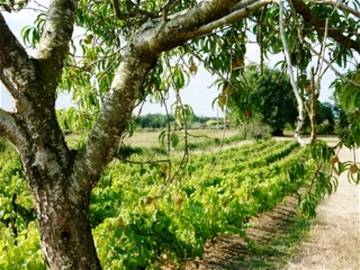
<point>199,93</point>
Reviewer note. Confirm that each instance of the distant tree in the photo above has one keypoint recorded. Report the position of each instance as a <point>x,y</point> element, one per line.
<point>326,118</point>
<point>153,120</point>
<point>201,119</point>
<point>267,96</point>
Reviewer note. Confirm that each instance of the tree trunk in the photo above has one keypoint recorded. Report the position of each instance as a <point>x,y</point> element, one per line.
<point>66,238</point>
<point>314,95</point>
<point>313,116</point>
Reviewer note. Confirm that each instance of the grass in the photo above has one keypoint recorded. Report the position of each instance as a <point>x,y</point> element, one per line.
<point>276,252</point>
<point>149,138</point>
<point>198,138</point>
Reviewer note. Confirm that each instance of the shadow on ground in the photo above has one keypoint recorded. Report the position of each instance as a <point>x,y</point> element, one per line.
<point>271,240</point>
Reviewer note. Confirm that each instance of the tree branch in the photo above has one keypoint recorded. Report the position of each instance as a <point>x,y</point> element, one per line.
<point>233,17</point>
<point>319,24</point>
<point>329,65</point>
<point>294,85</point>
<point>8,84</point>
<point>10,130</point>
<point>113,120</point>
<point>54,43</point>
<point>158,35</point>
<point>338,4</point>
<point>14,60</point>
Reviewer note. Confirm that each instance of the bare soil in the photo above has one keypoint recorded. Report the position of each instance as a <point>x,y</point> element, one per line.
<point>333,242</point>
<point>234,252</point>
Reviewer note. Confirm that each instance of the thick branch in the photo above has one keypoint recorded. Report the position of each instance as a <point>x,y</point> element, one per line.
<point>233,17</point>
<point>113,120</point>
<point>160,35</point>
<point>10,130</point>
<point>54,43</point>
<point>14,60</point>
<point>8,84</point>
<point>319,24</point>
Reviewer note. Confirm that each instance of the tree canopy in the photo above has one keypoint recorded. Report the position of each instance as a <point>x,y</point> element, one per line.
<point>267,96</point>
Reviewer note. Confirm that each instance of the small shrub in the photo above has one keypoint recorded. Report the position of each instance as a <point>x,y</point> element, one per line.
<point>255,130</point>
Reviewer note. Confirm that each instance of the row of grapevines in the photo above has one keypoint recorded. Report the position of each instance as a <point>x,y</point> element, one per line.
<point>144,228</point>
<point>136,226</point>
<point>138,181</point>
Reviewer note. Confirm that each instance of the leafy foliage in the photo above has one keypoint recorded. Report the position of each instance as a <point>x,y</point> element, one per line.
<point>19,241</point>
<point>107,26</point>
<point>266,96</point>
<point>347,96</point>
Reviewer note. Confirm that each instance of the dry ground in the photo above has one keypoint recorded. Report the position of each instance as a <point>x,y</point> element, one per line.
<point>334,240</point>
<point>269,240</point>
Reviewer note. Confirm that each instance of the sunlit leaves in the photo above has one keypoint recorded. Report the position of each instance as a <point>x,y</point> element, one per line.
<point>348,92</point>
<point>347,95</point>
<point>177,78</point>
<point>322,182</point>
<point>32,34</point>
<point>171,139</point>
<point>75,120</point>
<point>321,152</point>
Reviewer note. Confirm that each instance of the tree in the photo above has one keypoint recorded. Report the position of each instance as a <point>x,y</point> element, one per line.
<point>326,119</point>
<point>127,52</point>
<point>267,96</point>
<point>153,120</point>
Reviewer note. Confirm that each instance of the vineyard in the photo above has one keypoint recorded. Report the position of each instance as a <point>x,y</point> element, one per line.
<point>140,220</point>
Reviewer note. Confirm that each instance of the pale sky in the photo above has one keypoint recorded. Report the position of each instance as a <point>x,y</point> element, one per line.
<point>199,93</point>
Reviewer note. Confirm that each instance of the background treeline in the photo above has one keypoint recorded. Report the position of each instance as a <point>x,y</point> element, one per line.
<point>329,118</point>
<point>154,121</point>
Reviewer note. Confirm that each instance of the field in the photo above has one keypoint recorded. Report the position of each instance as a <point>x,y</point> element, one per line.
<point>150,138</point>
<point>149,214</point>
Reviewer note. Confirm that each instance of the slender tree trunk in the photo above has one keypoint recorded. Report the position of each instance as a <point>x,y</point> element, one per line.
<point>293,82</point>
<point>313,116</point>
<point>314,95</point>
<point>66,238</point>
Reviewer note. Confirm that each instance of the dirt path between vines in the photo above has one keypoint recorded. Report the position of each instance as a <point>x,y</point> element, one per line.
<point>264,250</point>
<point>333,242</point>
